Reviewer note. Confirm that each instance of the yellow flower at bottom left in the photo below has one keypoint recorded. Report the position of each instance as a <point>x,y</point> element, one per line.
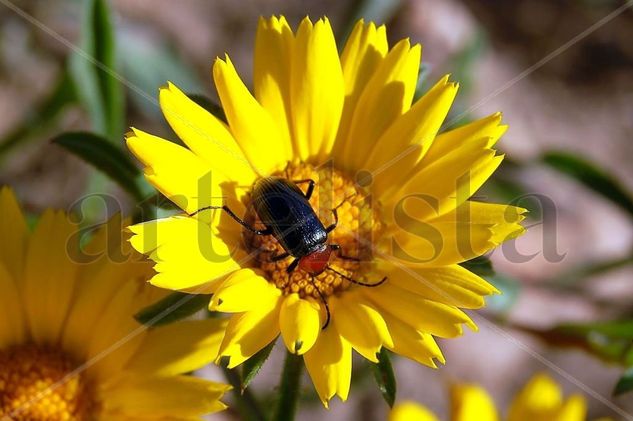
<point>70,348</point>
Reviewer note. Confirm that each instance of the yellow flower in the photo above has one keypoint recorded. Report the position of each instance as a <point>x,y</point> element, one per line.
<point>540,400</point>
<point>349,124</point>
<point>69,346</point>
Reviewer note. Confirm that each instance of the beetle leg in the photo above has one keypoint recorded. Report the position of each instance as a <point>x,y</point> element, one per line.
<point>324,301</point>
<point>335,213</point>
<point>278,257</point>
<point>340,255</point>
<point>365,284</point>
<point>311,184</point>
<point>292,266</point>
<point>335,223</point>
<point>226,209</point>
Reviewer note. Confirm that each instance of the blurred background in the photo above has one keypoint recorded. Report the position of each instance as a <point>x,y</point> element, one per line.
<point>560,70</point>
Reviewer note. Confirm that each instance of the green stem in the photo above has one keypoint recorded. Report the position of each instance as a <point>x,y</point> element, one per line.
<point>246,403</point>
<point>289,388</point>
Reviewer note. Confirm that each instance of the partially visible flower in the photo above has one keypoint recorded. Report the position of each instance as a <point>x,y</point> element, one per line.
<point>349,123</point>
<point>70,348</point>
<point>541,399</point>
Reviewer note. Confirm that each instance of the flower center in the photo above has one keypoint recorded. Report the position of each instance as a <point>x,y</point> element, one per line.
<point>358,223</point>
<point>33,386</point>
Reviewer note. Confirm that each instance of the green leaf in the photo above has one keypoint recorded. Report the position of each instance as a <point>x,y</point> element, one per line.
<point>104,156</point>
<point>176,306</point>
<point>383,373</point>
<point>93,68</point>
<point>591,176</point>
<point>625,384</point>
<point>481,265</point>
<point>611,341</point>
<point>614,329</point>
<point>209,105</point>
<point>251,367</point>
<point>43,115</point>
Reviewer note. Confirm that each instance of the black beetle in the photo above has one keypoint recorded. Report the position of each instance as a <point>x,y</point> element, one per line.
<point>287,215</point>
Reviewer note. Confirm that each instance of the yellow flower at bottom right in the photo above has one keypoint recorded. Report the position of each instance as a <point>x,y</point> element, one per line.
<point>541,399</point>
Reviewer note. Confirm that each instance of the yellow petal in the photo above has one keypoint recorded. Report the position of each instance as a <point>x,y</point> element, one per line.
<point>208,137</point>
<point>178,173</point>
<point>421,314</point>
<point>12,328</point>
<point>461,234</point>
<point>251,124</point>
<point>110,262</point>
<point>410,136</point>
<point>271,71</point>
<point>410,343</point>
<point>178,348</point>
<point>360,324</point>
<point>468,401</point>
<point>300,323</point>
<point>162,398</point>
<point>439,187</point>
<point>411,411</point>
<point>119,334</point>
<point>387,96</point>
<point>14,234</point>
<point>539,399</point>
<point>317,90</point>
<point>49,277</point>
<point>361,56</point>
<point>243,290</point>
<point>187,252</point>
<point>485,128</point>
<point>436,244</point>
<point>451,285</point>
<point>364,50</point>
<point>574,409</point>
<point>504,220</point>
<point>249,332</point>
<point>329,363</point>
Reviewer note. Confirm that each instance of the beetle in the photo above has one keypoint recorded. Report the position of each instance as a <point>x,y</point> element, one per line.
<point>287,215</point>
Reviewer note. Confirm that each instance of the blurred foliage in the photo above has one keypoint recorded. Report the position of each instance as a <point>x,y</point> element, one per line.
<point>591,176</point>
<point>625,384</point>
<point>93,67</point>
<point>148,62</point>
<point>43,117</point>
<point>610,341</point>
<point>104,156</point>
<point>246,403</point>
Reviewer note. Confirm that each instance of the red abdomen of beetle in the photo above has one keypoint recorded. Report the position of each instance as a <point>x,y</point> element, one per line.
<point>315,262</point>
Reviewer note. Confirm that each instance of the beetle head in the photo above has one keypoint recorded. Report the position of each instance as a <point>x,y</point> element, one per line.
<point>316,262</point>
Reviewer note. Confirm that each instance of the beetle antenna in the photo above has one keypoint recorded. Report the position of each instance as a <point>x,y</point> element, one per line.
<point>324,301</point>
<point>345,199</point>
<point>355,281</point>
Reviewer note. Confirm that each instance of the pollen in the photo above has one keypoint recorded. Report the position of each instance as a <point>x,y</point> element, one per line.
<point>358,224</point>
<point>37,384</point>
